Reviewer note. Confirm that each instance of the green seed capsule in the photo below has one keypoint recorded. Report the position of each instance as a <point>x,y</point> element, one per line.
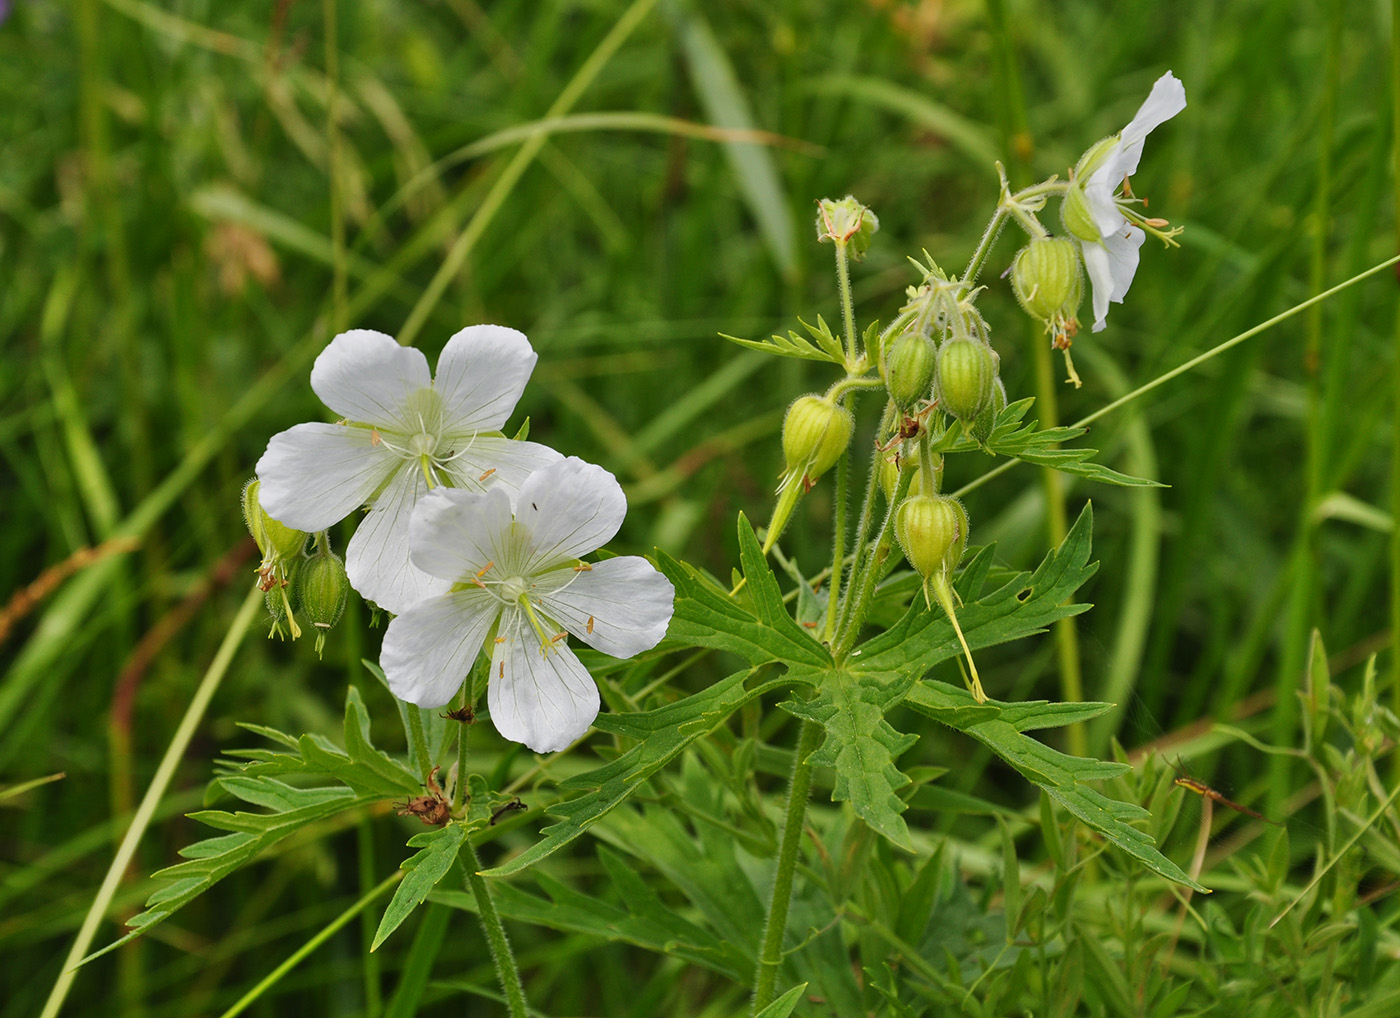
<point>323,588</point>
<point>967,369</point>
<point>932,530</point>
<point>909,369</point>
<point>1046,279</point>
<point>816,431</point>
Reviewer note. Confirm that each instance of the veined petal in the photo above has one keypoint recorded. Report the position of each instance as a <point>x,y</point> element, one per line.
<point>314,475</point>
<point>542,697</point>
<point>377,558</point>
<point>429,649</point>
<point>366,376</point>
<point>488,460</point>
<point>1111,265</point>
<point>620,606</point>
<point>481,374</point>
<point>569,509</point>
<point>455,534</point>
<point>1167,99</point>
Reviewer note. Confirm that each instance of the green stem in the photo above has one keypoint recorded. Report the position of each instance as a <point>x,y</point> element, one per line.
<point>338,265</point>
<point>501,956</point>
<point>864,588</point>
<point>867,516</point>
<point>459,790</point>
<point>848,313</point>
<point>984,247</point>
<point>419,741</point>
<point>770,957</point>
<point>1066,635</point>
<point>364,855</point>
<point>838,544</point>
<point>330,929</point>
<point>194,713</point>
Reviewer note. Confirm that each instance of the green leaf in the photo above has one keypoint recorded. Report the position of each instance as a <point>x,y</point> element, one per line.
<point>860,744</point>
<point>1063,777</point>
<point>437,851</point>
<point>707,616</point>
<point>782,1007</point>
<point>1040,447</point>
<point>823,346</point>
<point>1021,607</point>
<point>662,733</point>
<point>364,774</point>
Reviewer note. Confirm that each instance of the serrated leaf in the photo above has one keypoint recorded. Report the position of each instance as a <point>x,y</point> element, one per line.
<point>860,744</point>
<point>823,346</point>
<point>1020,607</point>
<point>782,1007</point>
<point>1028,443</point>
<point>706,615</point>
<point>1063,778</point>
<point>364,774</point>
<point>1025,716</point>
<point>437,851</point>
<point>663,734</point>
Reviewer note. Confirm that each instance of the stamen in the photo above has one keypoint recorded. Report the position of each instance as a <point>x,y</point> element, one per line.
<point>558,636</point>
<point>583,567</point>
<point>502,672</point>
<point>500,639</point>
<point>487,474</point>
<point>482,571</point>
<point>374,438</point>
<point>589,629</point>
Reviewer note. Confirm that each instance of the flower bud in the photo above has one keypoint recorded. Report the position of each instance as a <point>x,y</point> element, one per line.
<point>324,589</point>
<point>909,368</point>
<point>816,432</point>
<point>932,530</point>
<point>987,419</point>
<point>1046,279</point>
<point>1078,217</point>
<point>274,539</point>
<point>967,369</point>
<point>846,222</point>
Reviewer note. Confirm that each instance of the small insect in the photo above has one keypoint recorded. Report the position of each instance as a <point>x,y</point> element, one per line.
<point>510,807</point>
<point>534,507</point>
<point>465,715</point>
<point>1206,792</point>
<point>433,809</point>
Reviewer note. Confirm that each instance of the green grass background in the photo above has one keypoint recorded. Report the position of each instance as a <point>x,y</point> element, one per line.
<point>169,267</point>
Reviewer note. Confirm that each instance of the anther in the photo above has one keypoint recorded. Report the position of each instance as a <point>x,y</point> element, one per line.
<point>590,624</point>
<point>487,474</point>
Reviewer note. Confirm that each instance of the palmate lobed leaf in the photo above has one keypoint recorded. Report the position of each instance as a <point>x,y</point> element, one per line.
<point>364,775</point>
<point>860,744</point>
<point>663,734</point>
<point>1010,438</point>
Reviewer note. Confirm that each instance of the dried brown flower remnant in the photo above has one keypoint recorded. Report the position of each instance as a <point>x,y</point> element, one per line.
<point>433,809</point>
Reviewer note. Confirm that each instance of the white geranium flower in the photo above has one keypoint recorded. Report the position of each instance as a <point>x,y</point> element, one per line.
<point>404,433</point>
<point>520,577</point>
<point>1109,229</point>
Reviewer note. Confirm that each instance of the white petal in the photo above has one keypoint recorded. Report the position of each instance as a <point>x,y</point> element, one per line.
<point>621,606</point>
<point>489,460</point>
<point>455,534</point>
<point>377,560</point>
<point>1167,99</point>
<point>546,699</point>
<point>570,509</point>
<point>366,376</point>
<point>1111,265</point>
<point>314,475</point>
<point>429,649</point>
<point>481,374</point>
<point>1099,190</point>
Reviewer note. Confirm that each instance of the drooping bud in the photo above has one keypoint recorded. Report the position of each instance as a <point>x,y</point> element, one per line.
<point>324,589</point>
<point>847,222</point>
<point>1046,278</point>
<point>932,530</point>
<point>967,369</point>
<point>909,368</point>
<point>987,419</point>
<point>816,432</point>
<point>274,539</point>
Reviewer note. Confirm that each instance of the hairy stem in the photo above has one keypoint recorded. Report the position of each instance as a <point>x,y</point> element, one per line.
<point>770,955</point>
<point>506,971</point>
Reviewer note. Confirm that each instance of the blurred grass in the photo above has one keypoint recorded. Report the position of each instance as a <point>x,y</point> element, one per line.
<point>166,274</point>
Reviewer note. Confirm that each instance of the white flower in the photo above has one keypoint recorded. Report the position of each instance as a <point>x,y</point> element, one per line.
<point>403,433</point>
<point>522,575</point>
<point>1111,257</point>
